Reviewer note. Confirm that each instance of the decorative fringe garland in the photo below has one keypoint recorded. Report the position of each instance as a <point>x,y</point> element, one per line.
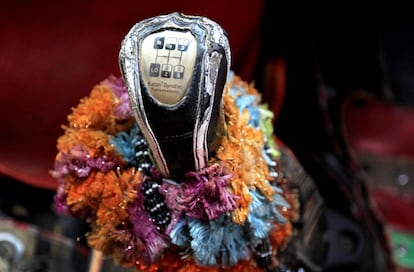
<point>234,215</point>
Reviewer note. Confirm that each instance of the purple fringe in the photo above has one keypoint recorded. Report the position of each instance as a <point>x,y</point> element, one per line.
<point>144,230</point>
<point>79,163</point>
<point>202,195</point>
<point>118,87</point>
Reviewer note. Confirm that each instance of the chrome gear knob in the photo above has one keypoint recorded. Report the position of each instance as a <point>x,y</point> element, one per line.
<point>175,68</point>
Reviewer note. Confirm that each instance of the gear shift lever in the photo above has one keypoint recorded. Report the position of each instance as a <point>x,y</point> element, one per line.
<point>175,68</point>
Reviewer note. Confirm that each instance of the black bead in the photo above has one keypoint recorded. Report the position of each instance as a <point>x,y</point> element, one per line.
<point>154,204</point>
<point>263,253</point>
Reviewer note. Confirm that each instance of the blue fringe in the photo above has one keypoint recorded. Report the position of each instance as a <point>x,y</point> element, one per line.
<point>263,214</point>
<point>218,239</point>
<point>217,242</point>
<point>248,102</point>
<point>126,142</point>
<point>180,234</point>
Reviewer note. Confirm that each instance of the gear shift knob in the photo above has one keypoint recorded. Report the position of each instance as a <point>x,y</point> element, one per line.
<point>175,68</point>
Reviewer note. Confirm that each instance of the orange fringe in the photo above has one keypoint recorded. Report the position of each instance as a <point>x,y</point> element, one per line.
<point>107,197</point>
<point>96,142</point>
<point>97,112</point>
<point>241,149</point>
